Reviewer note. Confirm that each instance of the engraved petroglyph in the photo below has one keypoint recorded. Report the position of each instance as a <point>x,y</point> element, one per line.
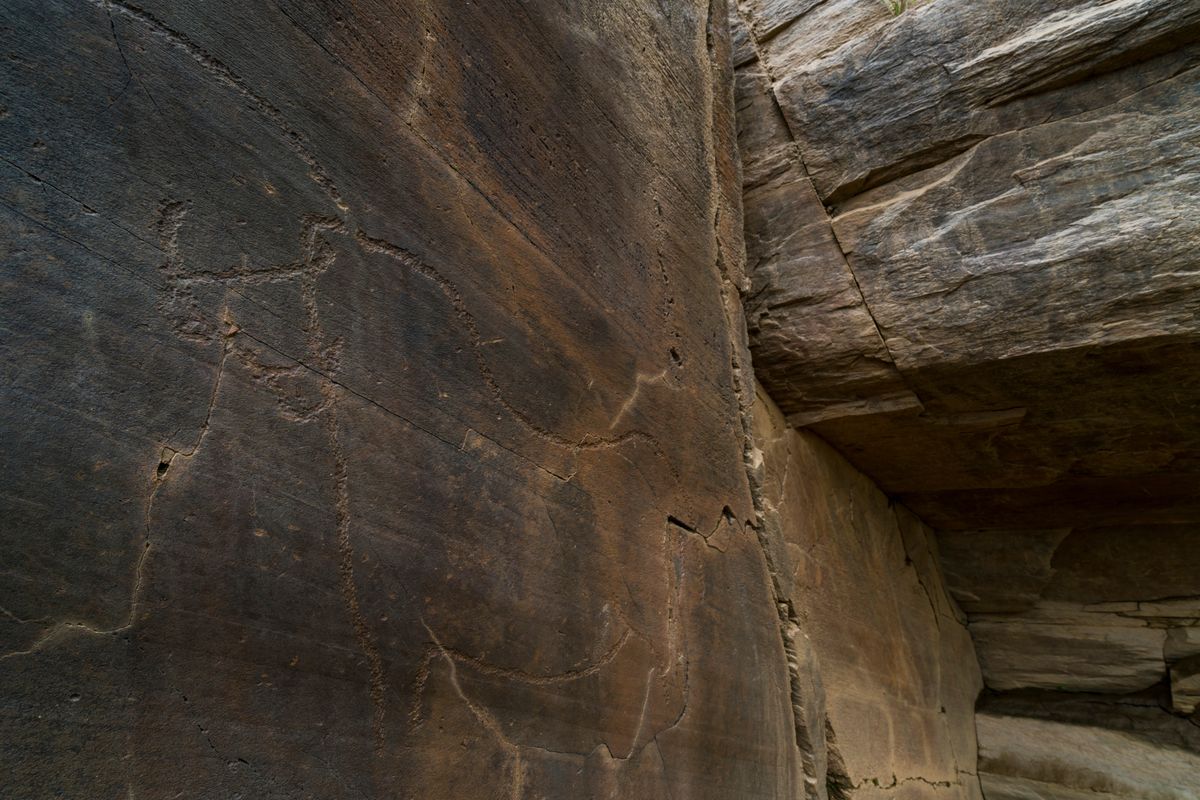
<point>195,300</point>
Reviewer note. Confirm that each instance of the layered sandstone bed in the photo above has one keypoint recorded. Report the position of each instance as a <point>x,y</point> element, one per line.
<point>970,237</point>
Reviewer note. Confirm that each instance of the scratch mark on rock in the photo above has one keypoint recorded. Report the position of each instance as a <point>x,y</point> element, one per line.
<point>160,476</point>
<point>133,76</point>
<point>317,258</point>
<point>451,292</point>
<point>640,381</point>
<point>507,673</point>
<point>486,719</point>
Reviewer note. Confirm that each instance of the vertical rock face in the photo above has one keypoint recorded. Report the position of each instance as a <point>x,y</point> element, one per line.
<point>971,235</point>
<point>370,424</point>
<point>379,417</point>
<point>1091,686</point>
<point>884,673</point>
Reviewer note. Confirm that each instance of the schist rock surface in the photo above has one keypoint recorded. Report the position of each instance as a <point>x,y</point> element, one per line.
<point>885,674</point>
<point>1090,687</point>
<point>971,241</point>
<point>376,406</point>
<point>1103,609</point>
<point>380,421</point>
<point>990,213</point>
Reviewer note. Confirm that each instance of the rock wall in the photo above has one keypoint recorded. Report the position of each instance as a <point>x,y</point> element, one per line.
<point>373,409</point>
<point>1090,689</point>
<point>885,671</point>
<point>971,236</point>
<point>970,225</point>
<point>379,416</point>
<point>1097,610</point>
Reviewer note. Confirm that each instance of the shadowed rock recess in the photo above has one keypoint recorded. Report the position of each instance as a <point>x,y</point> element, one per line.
<point>630,399</point>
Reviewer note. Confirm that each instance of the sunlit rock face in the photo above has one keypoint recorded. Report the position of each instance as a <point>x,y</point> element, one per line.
<point>372,425</point>
<point>885,675</point>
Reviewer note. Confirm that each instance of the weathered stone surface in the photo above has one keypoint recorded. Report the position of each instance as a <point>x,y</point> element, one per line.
<point>814,341</point>
<point>1010,191</point>
<point>1061,646</point>
<point>872,96</point>
<point>1012,570</point>
<point>998,571</point>
<point>1068,234</point>
<point>1142,715</point>
<point>1185,684</point>
<point>1182,642</point>
<point>370,428</point>
<point>1083,439</point>
<point>1069,747</point>
<point>1066,609</point>
<point>896,666</point>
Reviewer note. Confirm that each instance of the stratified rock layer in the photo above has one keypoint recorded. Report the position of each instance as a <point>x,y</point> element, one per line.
<point>370,424</point>
<point>814,339</point>
<point>1058,746</point>
<point>1101,610</point>
<point>990,213</point>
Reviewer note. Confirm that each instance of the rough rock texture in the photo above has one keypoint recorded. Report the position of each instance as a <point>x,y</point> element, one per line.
<point>1058,610</point>
<point>1060,646</point>
<point>1025,758</point>
<point>829,361</point>
<point>1185,684</point>
<point>885,672</point>
<point>1061,609</point>
<point>370,424</point>
<point>1010,194</point>
<point>1075,746</point>
<point>971,240</point>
